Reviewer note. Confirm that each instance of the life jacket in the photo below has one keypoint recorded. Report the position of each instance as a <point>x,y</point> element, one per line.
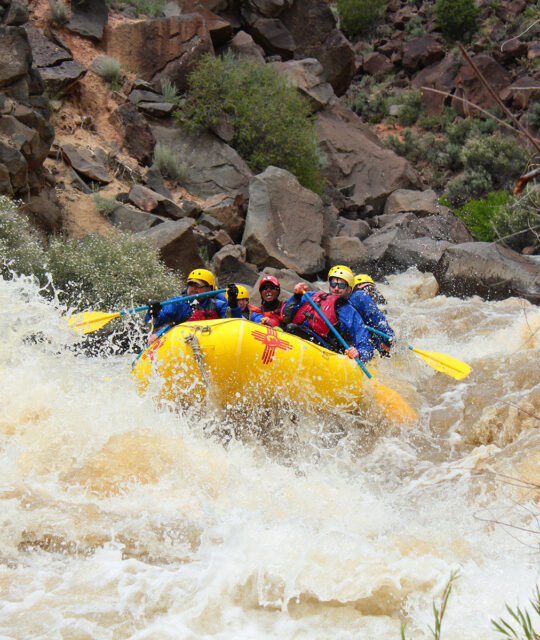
<point>327,304</point>
<point>275,315</point>
<point>209,312</point>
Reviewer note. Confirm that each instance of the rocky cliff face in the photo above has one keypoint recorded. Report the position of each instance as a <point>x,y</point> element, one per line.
<point>376,213</point>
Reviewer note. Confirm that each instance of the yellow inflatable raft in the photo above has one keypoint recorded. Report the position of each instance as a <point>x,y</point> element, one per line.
<point>229,358</point>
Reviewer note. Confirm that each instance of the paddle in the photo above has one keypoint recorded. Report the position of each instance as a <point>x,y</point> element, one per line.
<point>335,331</point>
<point>439,361</point>
<point>89,321</point>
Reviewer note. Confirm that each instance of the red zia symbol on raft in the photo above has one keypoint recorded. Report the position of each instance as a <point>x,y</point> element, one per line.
<point>272,341</point>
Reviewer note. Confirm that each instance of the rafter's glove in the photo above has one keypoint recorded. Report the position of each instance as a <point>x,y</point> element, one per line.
<point>154,307</point>
<point>232,295</point>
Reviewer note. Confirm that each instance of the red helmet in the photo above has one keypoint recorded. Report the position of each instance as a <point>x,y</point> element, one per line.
<point>271,280</point>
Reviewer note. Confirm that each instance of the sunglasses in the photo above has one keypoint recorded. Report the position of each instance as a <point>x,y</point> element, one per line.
<point>196,285</point>
<point>339,285</point>
<point>271,287</point>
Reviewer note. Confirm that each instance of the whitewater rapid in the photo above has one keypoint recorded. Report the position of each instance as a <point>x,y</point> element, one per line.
<point>124,518</point>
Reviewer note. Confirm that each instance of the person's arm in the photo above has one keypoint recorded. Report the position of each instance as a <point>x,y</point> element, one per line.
<point>351,321</point>
<point>173,313</point>
<point>372,316</point>
<point>293,303</point>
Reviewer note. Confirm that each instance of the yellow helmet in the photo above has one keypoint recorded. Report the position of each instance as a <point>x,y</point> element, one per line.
<point>204,275</point>
<point>340,271</point>
<point>362,278</point>
<point>242,293</point>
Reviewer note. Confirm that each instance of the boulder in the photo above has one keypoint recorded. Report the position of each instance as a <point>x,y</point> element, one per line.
<point>138,137</point>
<point>308,77</point>
<point>421,203</point>
<point>162,48</point>
<point>230,211</point>
<point>229,264</point>
<point>86,163</point>
<point>152,202</point>
<point>440,76</point>
<point>358,160</point>
<point>344,250</point>
<point>376,64</point>
<point>273,36</point>
<point>488,270</point>
<point>88,17</point>
<point>243,45</point>
<point>421,52</point>
<point>17,13</point>
<point>469,86</point>
<point>212,166</point>
<point>15,54</point>
<point>176,243</point>
<point>313,27</point>
<point>61,77</point>
<point>132,220</point>
<point>284,223</point>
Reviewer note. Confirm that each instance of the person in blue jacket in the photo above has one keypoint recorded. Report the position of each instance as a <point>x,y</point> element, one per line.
<point>206,308</point>
<point>302,320</point>
<point>362,300</point>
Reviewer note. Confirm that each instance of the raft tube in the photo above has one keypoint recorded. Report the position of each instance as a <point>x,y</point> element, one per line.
<point>234,358</point>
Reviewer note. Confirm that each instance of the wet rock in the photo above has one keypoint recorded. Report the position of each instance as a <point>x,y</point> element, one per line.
<point>488,270</point>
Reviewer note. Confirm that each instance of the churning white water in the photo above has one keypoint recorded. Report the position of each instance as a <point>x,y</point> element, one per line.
<point>122,518</point>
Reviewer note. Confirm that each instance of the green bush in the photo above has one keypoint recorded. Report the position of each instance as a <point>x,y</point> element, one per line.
<point>472,184</point>
<point>110,271</point>
<point>169,164</point>
<point>21,250</point>
<point>478,214</point>
<point>518,221</point>
<point>498,156</point>
<point>152,8</point>
<point>110,70</point>
<point>105,205</point>
<point>457,19</point>
<point>272,123</point>
<point>357,16</point>
<point>411,108</point>
<point>169,91</point>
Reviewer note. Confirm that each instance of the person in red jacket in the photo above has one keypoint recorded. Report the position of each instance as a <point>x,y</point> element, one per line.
<point>270,311</point>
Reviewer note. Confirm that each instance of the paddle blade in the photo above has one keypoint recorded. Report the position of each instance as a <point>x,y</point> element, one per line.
<point>446,364</point>
<point>89,321</point>
<point>393,405</point>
